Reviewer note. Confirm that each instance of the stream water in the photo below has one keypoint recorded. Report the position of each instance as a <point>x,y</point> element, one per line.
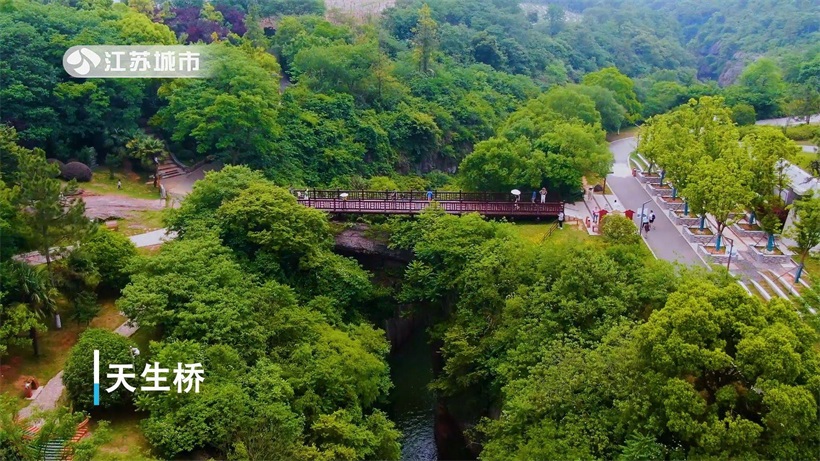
<point>412,404</point>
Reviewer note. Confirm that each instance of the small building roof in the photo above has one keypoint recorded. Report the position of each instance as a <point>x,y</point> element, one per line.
<point>801,181</point>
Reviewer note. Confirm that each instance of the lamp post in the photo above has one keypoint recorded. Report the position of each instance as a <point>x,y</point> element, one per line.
<point>731,248</point>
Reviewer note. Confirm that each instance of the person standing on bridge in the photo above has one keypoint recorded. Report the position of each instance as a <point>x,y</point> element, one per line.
<point>560,219</point>
<point>534,193</point>
<point>429,196</point>
<point>543,195</point>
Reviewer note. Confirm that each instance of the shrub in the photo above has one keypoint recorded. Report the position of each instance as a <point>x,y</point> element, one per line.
<point>744,114</point>
<point>85,307</point>
<point>76,170</point>
<point>619,230</point>
<point>57,162</point>
<point>802,132</point>
<point>110,253</point>
<point>78,375</point>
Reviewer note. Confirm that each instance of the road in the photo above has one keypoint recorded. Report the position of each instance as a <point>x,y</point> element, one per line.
<point>787,120</point>
<point>664,240</point>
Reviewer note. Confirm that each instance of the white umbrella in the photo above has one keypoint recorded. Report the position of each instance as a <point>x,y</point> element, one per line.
<point>515,192</point>
<point>343,195</point>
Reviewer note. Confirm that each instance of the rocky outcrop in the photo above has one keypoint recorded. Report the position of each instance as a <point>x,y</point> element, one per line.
<point>355,241</point>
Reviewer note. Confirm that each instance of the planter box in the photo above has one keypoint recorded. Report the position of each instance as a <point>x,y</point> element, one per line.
<point>671,205</point>
<point>716,258</point>
<point>740,231</point>
<point>697,238</point>
<point>681,220</point>
<point>658,191</point>
<point>759,254</point>
<point>653,178</point>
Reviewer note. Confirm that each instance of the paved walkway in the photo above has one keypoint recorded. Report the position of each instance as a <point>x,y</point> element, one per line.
<point>664,240</point>
<point>140,240</point>
<point>53,390</point>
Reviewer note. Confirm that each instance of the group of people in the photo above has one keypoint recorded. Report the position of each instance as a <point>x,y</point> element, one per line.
<point>647,221</point>
<point>535,194</point>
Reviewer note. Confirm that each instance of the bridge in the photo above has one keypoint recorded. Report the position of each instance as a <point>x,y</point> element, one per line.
<point>362,202</point>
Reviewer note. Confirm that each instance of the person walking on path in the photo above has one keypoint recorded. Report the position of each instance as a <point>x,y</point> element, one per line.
<point>595,214</point>
<point>560,219</point>
<point>651,218</point>
<point>543,195</point>
<point>645,222</point>
<point>119,184</point>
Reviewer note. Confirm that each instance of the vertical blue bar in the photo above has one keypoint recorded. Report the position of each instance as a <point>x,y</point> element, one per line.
<point>96,377</point>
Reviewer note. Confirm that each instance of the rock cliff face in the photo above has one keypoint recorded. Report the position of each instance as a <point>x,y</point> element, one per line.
<point>354,241</point>
<point>709,63</point>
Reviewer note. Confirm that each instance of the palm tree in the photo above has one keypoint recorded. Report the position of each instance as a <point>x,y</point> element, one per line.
<point>33,287</point>
<point>115,141</point>
<point>149,150</point>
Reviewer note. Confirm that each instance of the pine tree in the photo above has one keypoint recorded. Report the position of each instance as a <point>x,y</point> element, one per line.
<point>51,218</point>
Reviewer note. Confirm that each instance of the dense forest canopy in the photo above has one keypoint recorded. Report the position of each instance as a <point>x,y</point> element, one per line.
<point>319,103</point>
<point>721,36</point>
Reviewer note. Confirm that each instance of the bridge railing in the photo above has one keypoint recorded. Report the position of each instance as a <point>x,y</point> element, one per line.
<point>439,196</point>
<point>416,206</point>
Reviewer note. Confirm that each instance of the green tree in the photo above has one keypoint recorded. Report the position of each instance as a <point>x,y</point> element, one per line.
<point>52,219</point>
<point>623,87</point>
<point>722,189</point>
<point>425,39</point>
<point>555,18</point>
<point>33,288</point>
<point>572,104</point>
<point>232,115</point>
<point>85,307</point>
<point>612,113</point>
<point>806,228</point>
<point>744,114</point>
<point>149,151</point>
<point>761,85</point>
<point>78,375</point>
<point>254,32</point>
<point>111,254</point>
<point>769,150</point>
<point>619,230</point>
<point>16,319</point>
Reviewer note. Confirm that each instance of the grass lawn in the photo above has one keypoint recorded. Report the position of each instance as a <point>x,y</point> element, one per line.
<point>140,222</point>
<point>812,264</point>
<point>127,442</point>
<point>54,345</point>
<point>535,233</point>
<point>133,185</point>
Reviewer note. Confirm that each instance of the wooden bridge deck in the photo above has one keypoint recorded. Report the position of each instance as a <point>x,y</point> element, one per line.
<point>414,202</point>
